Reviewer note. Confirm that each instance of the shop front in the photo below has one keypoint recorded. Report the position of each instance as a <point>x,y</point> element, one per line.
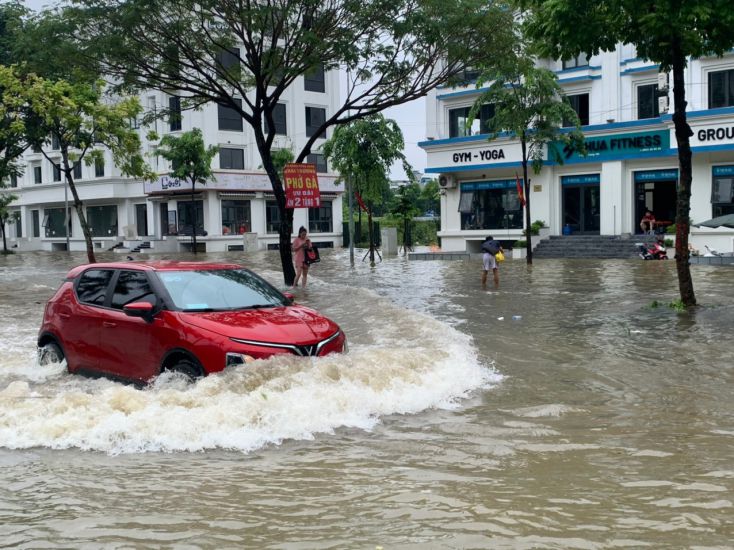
<point>580,204</point>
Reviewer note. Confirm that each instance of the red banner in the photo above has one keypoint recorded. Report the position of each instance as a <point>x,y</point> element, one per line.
<point>301,186</point>
<point>520,193</point>
<point>361,203</point>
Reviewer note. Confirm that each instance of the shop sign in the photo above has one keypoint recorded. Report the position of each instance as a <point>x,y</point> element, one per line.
<point>473,154</point>
<point>714,134</point>
<point>581,179</point>
<point>723,171</point>
<point>494,184</point>
<point>231,181</point>
<point>618,145</point>
<point>656,175</point>
<point>301,186</point>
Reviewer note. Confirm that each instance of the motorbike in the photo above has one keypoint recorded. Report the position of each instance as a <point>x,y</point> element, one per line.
<point>652,251</point>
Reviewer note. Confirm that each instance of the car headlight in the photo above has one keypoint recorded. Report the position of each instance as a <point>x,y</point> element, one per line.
<point>234,359</point>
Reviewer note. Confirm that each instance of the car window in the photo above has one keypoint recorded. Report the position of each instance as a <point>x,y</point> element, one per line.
<point>219,289</point>
<point>92,287</point>
<point>132,286</point>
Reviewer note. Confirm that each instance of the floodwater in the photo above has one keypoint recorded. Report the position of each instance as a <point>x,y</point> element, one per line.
<point>560,410</point>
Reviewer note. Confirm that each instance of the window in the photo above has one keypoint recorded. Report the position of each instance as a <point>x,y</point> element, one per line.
<point>18,224</point>
<point>721,89</point>
<point>92,287</point>
<point>132,286</point>
<point>320,219</point>
<point>235,217</point>
<point>55,142</point>
<point>78,170</point>
<point>458,119</point>
<point>582,60</point>
<point>469,74</point>
<point>722,195</point>
<point>174,113</point>
<point>13,180</point>
<point>272,217</point>
<point>233,159</point>
<point>37,174</point>
<point>319,160</point>
<point>580,104</point>
<point>279,120</point>
<point>99,168</point>
<point>229,118</point>
<point>315,118</point>
<point>57,171</point>
<point>53,222</point>
<point>36,148</point>
<point>102,220</point>
<point>647,101</point>
<point>36,221</point>
<point>497,208</point>
<point>186,217</point>
<point>314,81</point>
<point>228,58</point>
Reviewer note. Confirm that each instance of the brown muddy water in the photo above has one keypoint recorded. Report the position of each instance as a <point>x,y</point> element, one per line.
<point>592,421</point>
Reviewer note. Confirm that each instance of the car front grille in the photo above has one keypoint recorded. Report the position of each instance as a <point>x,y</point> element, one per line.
<point>310,350</point>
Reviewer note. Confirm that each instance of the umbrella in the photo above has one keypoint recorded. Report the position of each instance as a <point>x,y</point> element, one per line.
<point>720,221</point>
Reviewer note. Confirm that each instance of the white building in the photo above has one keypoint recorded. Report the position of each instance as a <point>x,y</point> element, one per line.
<point>235,211</point>
<point>632,161</point>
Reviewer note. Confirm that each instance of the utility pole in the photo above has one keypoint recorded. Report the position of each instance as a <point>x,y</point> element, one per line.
<point>350,198</point>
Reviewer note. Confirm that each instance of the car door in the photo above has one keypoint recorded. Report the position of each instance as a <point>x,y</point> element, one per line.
<point>82,321</point>
<point>129,345</point>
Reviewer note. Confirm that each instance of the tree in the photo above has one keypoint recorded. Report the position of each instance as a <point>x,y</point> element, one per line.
<point>191,161</point>
<point>244,54</point>
<point>364,151</point>
<point>431,197</point>
<point>405,207</point>
<point>529,104</point>
<point>666,32</point>
<point>5,214</point>
<point>76,118</point>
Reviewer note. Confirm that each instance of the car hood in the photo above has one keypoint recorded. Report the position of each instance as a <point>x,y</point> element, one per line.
<point>278,325</point>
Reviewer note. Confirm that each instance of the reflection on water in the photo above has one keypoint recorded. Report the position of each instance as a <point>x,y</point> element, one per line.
<point>558,411</point>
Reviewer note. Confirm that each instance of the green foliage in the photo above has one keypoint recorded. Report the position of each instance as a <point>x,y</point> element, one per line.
<point>677,305</point>
<point>654,304</point>
<point>669,243</point>
<point>520,244</point>
<point>191,159</point>
<point>535,227</point>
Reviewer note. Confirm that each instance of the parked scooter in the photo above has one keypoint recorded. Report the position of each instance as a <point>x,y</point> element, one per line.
<point>652,251</point>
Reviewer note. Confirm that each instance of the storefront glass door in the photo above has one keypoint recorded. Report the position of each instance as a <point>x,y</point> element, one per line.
<point>581,208</point>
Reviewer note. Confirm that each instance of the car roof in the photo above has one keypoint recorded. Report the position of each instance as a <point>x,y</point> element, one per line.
<point>156,265</point>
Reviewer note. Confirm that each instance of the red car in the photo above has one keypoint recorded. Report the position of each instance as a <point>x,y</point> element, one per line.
<point>134,320</point>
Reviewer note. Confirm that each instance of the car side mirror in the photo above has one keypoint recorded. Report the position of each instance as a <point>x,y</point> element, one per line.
<point>290,297</point>
<point>139,309</point>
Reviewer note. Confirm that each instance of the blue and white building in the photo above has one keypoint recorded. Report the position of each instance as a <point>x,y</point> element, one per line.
<point>632,161</point>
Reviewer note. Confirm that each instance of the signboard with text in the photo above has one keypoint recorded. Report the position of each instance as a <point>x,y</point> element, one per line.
<point>301,186</point>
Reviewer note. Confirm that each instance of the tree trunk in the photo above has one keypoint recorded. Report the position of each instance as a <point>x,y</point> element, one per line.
<point>683,206</point>
<point>371,234</point>
<point>526,191</point>
<point>79,207</point>
<point>2,229</point>
<point>193,216</point>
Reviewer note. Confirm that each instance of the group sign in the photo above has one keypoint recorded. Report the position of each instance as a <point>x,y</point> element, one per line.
<point>301,186</point>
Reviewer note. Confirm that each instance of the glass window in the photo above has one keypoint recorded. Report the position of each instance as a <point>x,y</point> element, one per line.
<point>580,104</point>
<point>102,220</point>
<point>37,174</point>
<point>174,113</point>
<point>279,120</point>
<point>235,217</point>
<point>647,101</point>
<point>55,143</point>
<point>491,209</point>
<point>53,222</point>
<point>233,159</point>
<point>229,118</point>
<point>186,217</point>
<point>57,171</point>
<point>228,58</point>
<point>582,60</point>
<point>272,217</point>
<point>721,89</point>
<point>98,168</point>
<point>132,286</point>
<point>13,180</point>
<point>36,220</point>
<point>458,119</point>
<point>320,219</point>
<point>315,118</point>
<point>78,171</point>
<point>92,286</point>
<point>319,160</point>
<point>314,80</point>
<point>722,196</point>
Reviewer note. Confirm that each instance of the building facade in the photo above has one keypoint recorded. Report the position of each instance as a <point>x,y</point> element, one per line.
<point>631,166</point>
<point>236,210</point>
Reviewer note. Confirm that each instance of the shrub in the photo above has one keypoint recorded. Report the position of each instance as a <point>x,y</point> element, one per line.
<point>669,243</point>
<point>520,244</point>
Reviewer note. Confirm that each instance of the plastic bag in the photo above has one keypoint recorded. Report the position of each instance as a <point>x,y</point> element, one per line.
<point>312,256</point>
<point>500,257</point>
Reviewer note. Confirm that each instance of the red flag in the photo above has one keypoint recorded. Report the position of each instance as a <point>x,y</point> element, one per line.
<point>520,193</point>
<point>362,205</point>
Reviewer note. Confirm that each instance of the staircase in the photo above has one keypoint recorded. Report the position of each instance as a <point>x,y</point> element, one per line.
<point>141,246</point>
<point>590,246</point>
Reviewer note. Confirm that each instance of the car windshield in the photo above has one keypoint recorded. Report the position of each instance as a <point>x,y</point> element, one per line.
<point>219,290</point>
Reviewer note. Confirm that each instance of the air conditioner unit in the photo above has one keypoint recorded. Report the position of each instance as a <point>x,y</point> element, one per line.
<point>447,182</point>
<point>663,104</point>
<point>663,83</point>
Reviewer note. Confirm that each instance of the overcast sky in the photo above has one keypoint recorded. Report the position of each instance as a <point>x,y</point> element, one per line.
<point>410,117</point>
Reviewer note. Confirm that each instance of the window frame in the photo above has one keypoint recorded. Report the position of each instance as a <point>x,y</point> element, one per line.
<point>230,156</point>
<point>228,119</point>
<point>576,62</point>
<point>575,98</point>
<point>319,160</point>
<point>105,294</point>
<point>271,227</point>
<point>175,122</point>
<point>316,223</point>
<point>728,88</point>
<point>315,80</point>
<point>655,106</point>
<point>310,126</point>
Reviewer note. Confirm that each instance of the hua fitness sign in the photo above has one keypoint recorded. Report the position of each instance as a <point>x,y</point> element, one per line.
<point>619,146</point>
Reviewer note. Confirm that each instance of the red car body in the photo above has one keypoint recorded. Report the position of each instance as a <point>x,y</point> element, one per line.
<point>133,320</point>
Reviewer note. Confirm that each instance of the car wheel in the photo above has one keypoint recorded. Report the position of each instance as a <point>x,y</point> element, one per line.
<point>187,368</point>
<point>50,353</point>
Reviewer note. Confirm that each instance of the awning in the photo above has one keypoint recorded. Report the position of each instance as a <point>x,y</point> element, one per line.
<point>720,221</point>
